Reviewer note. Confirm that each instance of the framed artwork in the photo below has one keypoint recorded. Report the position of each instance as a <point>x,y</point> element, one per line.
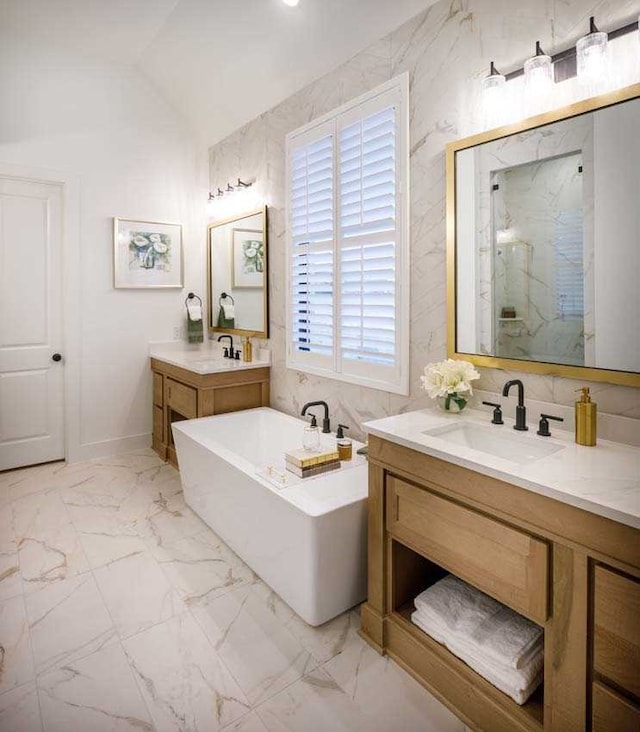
<point>247,258</point>
<point>146,254</point>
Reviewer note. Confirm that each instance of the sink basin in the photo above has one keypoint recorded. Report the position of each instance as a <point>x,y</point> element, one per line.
<point>208,364</point>
<point>495,441</point>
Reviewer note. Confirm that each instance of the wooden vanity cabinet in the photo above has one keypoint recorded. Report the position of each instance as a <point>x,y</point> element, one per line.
<point>182,394</point>
<point>574,573</point>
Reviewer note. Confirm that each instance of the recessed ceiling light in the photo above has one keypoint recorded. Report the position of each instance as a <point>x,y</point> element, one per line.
<point>291,3</point>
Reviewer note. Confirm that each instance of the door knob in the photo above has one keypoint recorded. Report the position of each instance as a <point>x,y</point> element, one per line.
<point>56,357</point>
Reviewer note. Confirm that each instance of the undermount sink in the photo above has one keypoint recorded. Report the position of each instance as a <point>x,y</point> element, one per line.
<point>495,441</point>
<point>203,364</point>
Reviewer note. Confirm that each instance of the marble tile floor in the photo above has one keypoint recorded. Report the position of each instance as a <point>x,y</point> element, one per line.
<point>121,611</point>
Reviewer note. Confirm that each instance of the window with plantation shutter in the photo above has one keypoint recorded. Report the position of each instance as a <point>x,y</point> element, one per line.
<point>347,243</point>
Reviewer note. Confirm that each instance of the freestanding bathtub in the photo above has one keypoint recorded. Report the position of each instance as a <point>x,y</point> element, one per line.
<point>307,538</point>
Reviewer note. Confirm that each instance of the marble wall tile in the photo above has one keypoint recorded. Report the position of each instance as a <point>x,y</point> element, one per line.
<point>97,693</point>
<point>16,661</point>
<point>19,709</point>
<point>185,685</point>
<point>48,544</point>
<point>446,51</point>
<point>67,620</point>
<point>263,656</point>
<point>137,593</point>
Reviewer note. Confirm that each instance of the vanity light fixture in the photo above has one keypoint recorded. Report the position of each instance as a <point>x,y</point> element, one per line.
<point>538,74</point>
<point>588,60</point>
<point>493,96</point>
<point>592,56</point>
<point>230,189</point>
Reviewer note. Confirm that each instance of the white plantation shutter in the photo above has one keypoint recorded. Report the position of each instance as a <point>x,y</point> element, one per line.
<point>367,246</point>
<point>311,263</point>
<point>347,242</point>
<point>569,269</point>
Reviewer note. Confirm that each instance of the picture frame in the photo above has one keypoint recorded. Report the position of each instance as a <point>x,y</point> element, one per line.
<point>147,254</point>
<point>248,258</point>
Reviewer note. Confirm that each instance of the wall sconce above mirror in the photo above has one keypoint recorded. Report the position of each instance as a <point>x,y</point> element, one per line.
<point>543,235</point>
<point>237,271</point>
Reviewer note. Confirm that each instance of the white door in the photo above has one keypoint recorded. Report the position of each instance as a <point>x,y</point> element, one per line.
<point>31,374</point>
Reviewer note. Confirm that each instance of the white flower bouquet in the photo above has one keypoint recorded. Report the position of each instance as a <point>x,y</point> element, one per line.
<point>450,383</point>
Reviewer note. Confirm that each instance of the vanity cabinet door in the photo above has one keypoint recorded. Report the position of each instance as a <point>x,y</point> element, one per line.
<point>504,562</point>
<point>157,390</point>
<point>616,649</point>
<point>182,399</point>
<point>612,713</point>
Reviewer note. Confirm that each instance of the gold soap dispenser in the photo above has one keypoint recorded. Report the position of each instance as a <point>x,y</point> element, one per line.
<point>586,419</point>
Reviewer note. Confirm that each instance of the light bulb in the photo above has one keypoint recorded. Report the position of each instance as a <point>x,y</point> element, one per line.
<point>592,59</point>
<point>538,80</point>
<point>493,97</point>
<point>291,3</point>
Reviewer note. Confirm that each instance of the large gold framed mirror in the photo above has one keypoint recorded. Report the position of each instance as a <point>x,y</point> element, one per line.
<point>543,243</point>
<point>238,275</point>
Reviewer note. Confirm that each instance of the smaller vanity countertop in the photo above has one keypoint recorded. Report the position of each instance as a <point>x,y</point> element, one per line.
<point>604,479</point>
<point>205,358</point>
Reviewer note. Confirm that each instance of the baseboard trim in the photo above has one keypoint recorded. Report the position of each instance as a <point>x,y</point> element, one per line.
<point>107,448</point>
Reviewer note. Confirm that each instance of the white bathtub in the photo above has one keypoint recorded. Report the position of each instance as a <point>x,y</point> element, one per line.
<point>306,540</point>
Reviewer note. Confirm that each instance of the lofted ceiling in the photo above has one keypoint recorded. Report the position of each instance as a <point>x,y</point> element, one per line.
<point>220,62</point>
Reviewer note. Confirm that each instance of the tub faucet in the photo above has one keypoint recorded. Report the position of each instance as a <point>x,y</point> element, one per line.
<point>521,411</point>
<point>228,352</point>
<point>326,428</point>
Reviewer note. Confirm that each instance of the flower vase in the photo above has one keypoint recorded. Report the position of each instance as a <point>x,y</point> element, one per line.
<point>452,403</point>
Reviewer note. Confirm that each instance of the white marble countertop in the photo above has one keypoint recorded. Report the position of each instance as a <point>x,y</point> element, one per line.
<point>205,358</point>
<point>604,479</point>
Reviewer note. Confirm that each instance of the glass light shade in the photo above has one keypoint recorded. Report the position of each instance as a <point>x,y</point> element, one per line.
<point>494,98</point>
<point>538,76</point>
<point>592,60</point>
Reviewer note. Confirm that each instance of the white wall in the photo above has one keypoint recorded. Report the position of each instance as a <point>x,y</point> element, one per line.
<point>124,152</point>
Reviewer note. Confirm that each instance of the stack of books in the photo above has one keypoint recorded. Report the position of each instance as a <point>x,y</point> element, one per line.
<point>307,464</point>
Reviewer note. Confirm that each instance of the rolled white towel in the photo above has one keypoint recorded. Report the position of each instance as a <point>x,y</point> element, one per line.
<point>195,312</point>
<point>519,684</point>
<point>228,309</point>
<point>481,622</point>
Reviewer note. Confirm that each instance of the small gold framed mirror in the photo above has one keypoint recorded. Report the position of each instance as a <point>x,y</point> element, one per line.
<point>543,243</point>
<point>238,275</point>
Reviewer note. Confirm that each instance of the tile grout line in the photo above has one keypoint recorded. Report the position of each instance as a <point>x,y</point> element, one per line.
<point>120,642</point>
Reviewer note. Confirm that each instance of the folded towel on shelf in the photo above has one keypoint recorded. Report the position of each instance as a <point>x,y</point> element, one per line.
<point>519,684</point>
<point>481,623</point>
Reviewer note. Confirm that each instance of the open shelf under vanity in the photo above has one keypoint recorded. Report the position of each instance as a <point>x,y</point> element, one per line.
<point>410,572</point>
<point>573,573</point>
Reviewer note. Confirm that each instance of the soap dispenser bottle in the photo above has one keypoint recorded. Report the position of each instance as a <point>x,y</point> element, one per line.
<point>247,351</point>
<point>586,414</point>
<point>344,444</point>
<point>311,437</point>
